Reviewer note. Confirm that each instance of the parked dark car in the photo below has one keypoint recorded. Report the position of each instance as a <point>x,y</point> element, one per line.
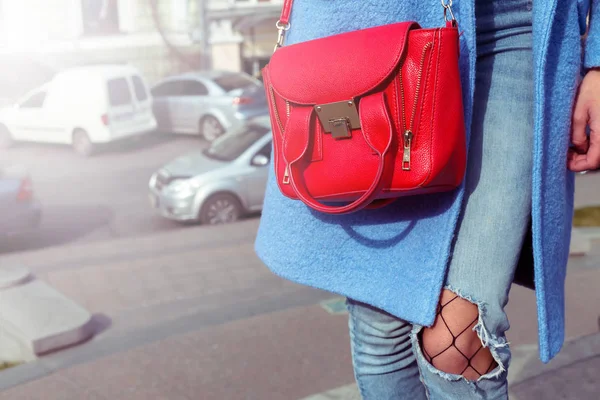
<point>20,212</point>
<point>207,103</point>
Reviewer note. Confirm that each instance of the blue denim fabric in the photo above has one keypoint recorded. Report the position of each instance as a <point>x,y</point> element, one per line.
<point>496,214</point>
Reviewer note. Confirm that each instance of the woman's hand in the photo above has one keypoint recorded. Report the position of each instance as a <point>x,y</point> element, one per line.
<point>585,153</point>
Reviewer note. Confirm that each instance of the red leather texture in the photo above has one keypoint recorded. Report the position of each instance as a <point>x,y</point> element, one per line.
<point>401,77</point>
<point>329,70</point>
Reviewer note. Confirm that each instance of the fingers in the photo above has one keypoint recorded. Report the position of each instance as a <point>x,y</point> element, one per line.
<point>589,160</point>
<point>585,153</point>
<point>580,121</point>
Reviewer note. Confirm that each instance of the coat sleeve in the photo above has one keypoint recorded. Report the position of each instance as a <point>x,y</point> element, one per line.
<point>592,40</point>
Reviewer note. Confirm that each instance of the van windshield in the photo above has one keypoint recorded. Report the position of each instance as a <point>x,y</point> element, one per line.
<point>118,92</point>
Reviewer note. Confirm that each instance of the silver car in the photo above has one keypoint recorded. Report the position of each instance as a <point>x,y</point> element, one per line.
<point>219,184</point>
<point>207,103</point>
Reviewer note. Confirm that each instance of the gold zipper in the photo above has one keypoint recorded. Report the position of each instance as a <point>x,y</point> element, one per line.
<point>286,173</point>
<point>408,131</point>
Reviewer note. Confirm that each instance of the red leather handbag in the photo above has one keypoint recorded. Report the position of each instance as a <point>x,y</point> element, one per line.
<point>367,116</point>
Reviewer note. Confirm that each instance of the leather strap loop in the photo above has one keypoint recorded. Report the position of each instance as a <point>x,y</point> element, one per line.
<point>285,12</point>
<point>377,130</point>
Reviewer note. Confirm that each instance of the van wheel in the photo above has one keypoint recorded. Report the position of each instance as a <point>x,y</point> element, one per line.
<point>82,143</point>
<point>220,209</point>
<point>6,139</point>
<point>210,128</point>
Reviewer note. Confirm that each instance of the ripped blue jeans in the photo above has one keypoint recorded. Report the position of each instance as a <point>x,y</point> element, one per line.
<point>389,362</point>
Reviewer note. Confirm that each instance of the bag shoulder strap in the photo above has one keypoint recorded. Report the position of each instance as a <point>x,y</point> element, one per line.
<point>284,19</point>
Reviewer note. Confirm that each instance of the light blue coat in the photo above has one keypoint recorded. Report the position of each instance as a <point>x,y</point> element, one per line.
<point>395,258</point>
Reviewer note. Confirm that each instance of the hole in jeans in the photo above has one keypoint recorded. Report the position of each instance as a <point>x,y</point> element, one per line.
<point>452,345</point>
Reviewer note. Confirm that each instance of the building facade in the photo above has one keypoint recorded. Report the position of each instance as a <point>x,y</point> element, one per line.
<point>157,36</point>
<point>242,33</point>
<point>160,37</point>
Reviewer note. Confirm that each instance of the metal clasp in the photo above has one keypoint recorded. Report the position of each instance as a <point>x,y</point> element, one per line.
<point>281,29</point>
<point>448,9</point>
<point>339,118</point>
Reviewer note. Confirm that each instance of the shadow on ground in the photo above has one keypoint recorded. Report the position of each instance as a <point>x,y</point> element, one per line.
<point>60,225</point>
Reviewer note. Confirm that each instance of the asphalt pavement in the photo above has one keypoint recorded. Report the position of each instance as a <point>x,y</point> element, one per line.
<point>97,198</point>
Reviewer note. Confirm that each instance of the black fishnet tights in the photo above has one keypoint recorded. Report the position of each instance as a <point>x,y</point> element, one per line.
<point>446,322</point>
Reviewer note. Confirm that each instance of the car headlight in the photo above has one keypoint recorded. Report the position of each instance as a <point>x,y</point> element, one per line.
<point>183,187</point>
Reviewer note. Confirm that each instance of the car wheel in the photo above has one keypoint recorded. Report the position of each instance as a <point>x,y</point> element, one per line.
<point>82,143</point>
<point>6,139</point>
<point>220,209</point>
<point>210,128</point>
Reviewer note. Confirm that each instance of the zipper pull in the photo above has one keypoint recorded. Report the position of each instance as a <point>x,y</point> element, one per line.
<point>408,135</point>
<point>286,175</point>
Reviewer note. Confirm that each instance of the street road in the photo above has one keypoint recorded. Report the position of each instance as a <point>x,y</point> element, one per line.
<point>97,198</point>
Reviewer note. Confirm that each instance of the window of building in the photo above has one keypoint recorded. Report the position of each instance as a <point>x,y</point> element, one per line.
<point>100,17</point>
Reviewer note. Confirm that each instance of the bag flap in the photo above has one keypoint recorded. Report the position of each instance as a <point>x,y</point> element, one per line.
<point>338,67</point>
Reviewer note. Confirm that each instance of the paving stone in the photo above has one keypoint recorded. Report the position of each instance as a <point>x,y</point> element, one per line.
<point>42,318</point>
<point>13,275</point>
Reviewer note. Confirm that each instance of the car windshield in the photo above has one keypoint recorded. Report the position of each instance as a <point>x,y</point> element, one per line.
<point>231,145</point>
<point>231,82</point>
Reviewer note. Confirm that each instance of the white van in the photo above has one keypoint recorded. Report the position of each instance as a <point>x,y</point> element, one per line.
<point>83,107</point>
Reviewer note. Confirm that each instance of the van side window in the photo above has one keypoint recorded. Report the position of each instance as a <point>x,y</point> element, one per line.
<point>139,87</point>
<point>118,92</point>
<point>34,101</point>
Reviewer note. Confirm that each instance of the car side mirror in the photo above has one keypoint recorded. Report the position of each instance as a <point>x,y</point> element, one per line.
<point>260,160</point>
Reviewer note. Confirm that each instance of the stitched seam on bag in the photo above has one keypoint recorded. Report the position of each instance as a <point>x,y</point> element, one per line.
<point>276,147</point>
<point>433,117</point>
<point>318,142</point>
<point>384,112</point>
<point>305,144</point>
<point>424,85</point>
<point>395,100</point>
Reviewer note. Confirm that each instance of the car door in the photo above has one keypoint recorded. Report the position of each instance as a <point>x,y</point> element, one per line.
<point>165,97</point>
<point>257,179</point>
<point>121,110</point>
<point>32,122</point>
<point>143,112</point>
<point>193,104</point>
